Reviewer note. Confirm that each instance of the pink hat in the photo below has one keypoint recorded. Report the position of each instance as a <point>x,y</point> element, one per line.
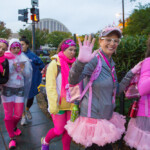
<point>106,31</point>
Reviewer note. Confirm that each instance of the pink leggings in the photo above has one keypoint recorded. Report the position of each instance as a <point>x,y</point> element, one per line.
<point>13,113</point>
<point>59,123</point>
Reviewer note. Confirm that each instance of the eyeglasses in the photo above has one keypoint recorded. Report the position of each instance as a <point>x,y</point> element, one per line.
<point>108,40</point>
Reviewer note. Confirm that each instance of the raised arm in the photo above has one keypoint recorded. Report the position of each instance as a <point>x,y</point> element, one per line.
<point>85,57</point>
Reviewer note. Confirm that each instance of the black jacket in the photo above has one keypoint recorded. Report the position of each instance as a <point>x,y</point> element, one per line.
<point>5,75</point>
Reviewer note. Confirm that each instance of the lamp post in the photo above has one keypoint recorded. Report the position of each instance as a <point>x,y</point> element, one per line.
<point>75,37</point>
<point>123,14</point>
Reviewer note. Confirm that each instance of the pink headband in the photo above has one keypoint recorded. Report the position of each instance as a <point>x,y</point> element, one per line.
<point>67,44</point>
<point>4,41</point>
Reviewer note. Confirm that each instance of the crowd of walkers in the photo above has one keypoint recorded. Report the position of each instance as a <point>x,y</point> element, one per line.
<point>96,126</point>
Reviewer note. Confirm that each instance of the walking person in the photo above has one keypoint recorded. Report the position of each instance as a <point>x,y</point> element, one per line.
<point>37,66</point>
<point>56,80</point>
<point>4,65</point>
<point>138,131</point>
<point>15,90</point>
<point>98,128</point>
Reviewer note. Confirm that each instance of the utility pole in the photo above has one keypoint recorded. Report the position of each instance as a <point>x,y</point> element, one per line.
<point>123,21</point>
<point>33,3</point>
<point>33,36</point>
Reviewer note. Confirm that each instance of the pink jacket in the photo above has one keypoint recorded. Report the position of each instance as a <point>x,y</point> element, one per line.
<point>144,89</point>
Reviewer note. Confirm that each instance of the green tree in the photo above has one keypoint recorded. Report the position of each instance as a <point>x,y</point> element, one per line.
<point>27,33</point>
<point>40,36</point>
<point>56,37</point>
<point>139,21</point>
<point>4,32</point>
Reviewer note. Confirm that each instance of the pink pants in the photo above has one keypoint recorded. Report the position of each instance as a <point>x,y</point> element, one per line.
<point>59,123</point>
<point>13,113</point>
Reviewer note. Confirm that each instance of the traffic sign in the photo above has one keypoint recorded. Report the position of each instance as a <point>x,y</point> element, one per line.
<point>34,3</point>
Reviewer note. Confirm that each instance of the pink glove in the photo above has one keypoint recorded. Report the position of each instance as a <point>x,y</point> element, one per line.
<point>85,50</point>
<point>136,68</point>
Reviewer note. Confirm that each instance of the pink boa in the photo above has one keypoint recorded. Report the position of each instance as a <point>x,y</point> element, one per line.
<point>2,59</point>
<point>64,62</point>
<point>9,55</point>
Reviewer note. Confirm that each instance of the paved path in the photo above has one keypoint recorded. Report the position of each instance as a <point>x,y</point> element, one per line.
<point>32,133</point>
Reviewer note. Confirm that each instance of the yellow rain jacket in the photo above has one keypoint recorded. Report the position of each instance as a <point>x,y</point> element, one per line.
<point>53,88</point>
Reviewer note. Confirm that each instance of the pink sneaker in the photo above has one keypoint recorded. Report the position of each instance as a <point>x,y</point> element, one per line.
<point>17,132</point>
<point>12,144</point>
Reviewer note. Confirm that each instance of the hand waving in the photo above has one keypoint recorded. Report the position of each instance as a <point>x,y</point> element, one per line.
<point>85,50</point>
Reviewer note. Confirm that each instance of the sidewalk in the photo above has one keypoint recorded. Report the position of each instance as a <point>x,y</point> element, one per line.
<point>32,133</point>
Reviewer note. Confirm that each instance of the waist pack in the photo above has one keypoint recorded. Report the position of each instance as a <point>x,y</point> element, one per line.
<point>132,90</point>
<point>76,92</point>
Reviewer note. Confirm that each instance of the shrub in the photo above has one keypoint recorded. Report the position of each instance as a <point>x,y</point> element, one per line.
<point>130,51</point>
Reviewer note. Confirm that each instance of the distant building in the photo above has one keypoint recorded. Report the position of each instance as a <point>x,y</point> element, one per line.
<point>14,35</point>
<point>51,25</point>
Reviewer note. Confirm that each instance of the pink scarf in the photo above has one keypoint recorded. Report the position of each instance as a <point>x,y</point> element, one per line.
<point>2,59</point>
<point>9,55</point>
<point>64,62</point>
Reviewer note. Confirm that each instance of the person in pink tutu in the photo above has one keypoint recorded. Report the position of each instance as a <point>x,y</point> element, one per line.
<point>138,131</point>
<point>102,126</point>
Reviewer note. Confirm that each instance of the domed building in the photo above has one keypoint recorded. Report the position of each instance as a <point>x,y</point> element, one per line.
<point>51,25</point>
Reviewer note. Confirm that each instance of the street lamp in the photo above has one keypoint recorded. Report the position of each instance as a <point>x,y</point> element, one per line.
<point>118,15</point>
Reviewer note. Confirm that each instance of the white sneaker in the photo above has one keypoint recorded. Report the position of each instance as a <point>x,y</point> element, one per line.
<point>28,115</point>
<point>23,121</point>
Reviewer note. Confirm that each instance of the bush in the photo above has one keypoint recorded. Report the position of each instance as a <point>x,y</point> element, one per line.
<point>130,51</point>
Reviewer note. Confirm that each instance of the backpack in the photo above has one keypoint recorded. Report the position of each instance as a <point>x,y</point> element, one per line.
<point>76,92</point>
<point>41,87</point>
<point>132,90</point>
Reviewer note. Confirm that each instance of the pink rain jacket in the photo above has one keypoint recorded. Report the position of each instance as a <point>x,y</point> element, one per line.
<point>144,89</point>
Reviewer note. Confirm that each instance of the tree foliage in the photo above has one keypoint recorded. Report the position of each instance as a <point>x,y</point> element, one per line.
<point>56,37</point>
<point>40,36</point>
<point>139,21</point>
<point>130,51</point>
<point>27,33</point>
<point>4,32</point>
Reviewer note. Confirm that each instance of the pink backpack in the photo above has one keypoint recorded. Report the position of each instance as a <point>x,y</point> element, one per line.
<point>132,90</point>
<point>76,92</point>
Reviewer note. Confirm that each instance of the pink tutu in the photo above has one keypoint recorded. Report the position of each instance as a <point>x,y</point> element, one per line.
<point>99,131</point>
<point>137,138</point>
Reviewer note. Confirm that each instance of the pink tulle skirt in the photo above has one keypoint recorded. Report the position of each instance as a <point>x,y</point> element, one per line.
<point>99,131</point>
<point>137,137</point>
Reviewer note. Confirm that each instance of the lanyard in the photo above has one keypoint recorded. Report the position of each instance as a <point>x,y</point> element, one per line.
<point>112,68</point>
<point>113,76</point>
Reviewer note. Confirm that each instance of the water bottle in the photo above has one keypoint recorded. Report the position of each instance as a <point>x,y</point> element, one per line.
<point>75,111</point>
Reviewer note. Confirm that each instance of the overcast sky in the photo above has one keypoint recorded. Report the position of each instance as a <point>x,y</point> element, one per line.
<point>79,16</point>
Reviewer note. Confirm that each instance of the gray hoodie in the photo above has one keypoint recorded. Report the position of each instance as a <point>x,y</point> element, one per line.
<point>102,88</point>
